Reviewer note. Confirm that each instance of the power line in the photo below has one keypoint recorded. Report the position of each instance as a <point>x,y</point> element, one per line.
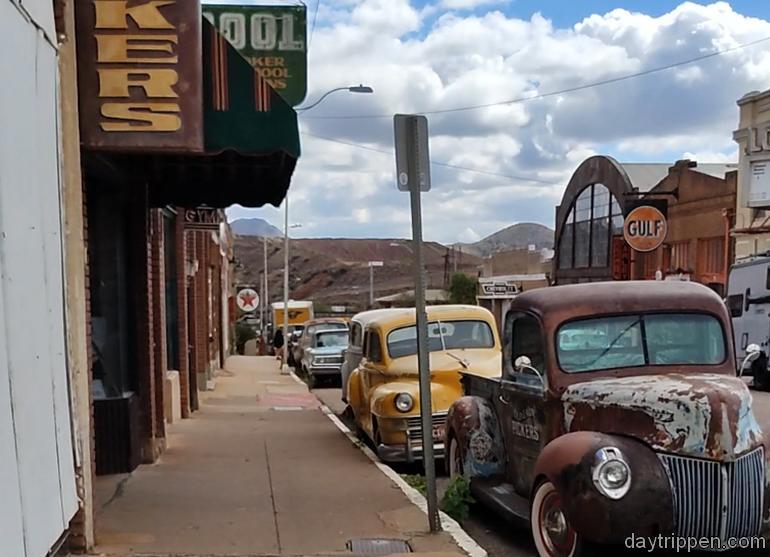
<point>435,163</point>
<point>559,92</point>
<point>312,27</point>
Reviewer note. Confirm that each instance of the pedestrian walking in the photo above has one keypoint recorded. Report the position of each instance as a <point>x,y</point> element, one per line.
<point>278,345</point>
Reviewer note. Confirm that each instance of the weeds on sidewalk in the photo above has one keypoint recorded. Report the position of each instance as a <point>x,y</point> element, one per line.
<point>457,499</point>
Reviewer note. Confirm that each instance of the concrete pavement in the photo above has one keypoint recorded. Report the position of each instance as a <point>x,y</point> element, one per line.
<point>259,470</point>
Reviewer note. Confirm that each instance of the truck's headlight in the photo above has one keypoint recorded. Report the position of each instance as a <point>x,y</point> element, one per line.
<point>404,402</point>
<point>611,473</point>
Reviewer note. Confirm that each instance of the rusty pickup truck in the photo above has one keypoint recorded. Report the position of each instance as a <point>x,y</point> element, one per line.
<point>619,413</point>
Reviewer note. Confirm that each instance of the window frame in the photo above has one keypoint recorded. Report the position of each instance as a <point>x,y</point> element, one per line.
<point>509,373</point>
<point>572,221</point>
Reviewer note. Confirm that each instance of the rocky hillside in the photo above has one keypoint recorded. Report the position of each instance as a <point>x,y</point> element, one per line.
<point>517,236</point>
<point>335,271</point>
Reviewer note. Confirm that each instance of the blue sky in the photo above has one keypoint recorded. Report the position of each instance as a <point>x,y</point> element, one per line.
<point>438,54</point>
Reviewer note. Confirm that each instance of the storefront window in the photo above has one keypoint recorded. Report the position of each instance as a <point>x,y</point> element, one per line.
<point>585,238</point>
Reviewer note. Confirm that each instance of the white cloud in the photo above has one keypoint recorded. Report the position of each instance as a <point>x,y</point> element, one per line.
<point>469,236</point>
<point>438,57</point>
<point>469,4</point>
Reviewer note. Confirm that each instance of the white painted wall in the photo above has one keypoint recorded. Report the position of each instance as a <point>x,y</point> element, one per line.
<point>37,478</point>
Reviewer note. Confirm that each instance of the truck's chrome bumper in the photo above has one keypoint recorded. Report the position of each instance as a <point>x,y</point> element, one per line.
<point>407,452</point>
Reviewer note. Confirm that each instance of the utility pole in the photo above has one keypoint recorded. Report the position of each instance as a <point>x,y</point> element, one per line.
<point>372,265</point>
<point>264,311</point>
<point>285,366</point>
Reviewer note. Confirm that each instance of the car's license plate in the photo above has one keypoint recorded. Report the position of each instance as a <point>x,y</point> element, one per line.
<point>438,432</point>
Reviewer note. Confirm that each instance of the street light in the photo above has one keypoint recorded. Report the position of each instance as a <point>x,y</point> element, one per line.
<point>285,366</point>
<point>352,89</point>
<point>372,265</point>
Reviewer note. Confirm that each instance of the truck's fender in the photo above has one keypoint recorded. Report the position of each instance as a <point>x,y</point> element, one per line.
<point>354,392</point>
<point>472,422</point>
<point>568,462</point>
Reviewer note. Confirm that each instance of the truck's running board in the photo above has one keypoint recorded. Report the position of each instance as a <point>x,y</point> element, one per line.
<point>501,496</point>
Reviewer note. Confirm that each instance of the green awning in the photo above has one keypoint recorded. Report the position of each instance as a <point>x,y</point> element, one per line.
<point>241,111</point>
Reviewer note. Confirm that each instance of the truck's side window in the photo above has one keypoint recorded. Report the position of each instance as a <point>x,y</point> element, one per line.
<point>355,335</point>
<point>373,348</point>
<point>735,305</point>
<point>528,341</point>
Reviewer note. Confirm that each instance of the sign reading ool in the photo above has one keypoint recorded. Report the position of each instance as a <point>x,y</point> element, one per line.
<point>272,39</point>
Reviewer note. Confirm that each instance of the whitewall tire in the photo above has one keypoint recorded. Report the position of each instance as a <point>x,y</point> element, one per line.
<point>551,530</point>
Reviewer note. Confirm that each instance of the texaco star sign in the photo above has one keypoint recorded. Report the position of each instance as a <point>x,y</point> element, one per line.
<point>247,299</point>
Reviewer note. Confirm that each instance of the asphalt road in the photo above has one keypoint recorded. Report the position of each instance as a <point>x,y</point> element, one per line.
<point>501,538</point>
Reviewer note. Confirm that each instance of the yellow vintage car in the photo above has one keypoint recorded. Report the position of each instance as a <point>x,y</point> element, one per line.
<point>383,391</point>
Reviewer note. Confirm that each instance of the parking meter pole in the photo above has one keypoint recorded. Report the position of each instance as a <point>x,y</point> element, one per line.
<point>423,362</point>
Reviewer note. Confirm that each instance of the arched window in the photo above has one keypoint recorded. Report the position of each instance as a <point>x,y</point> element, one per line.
<point>593,220</point>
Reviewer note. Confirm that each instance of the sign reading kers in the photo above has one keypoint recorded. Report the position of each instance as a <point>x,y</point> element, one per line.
<point>645,228</point>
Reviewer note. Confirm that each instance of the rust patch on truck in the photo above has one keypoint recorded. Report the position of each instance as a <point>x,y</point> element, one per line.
<point>699,415</point>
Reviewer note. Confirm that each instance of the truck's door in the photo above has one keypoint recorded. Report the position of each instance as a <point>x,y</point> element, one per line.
<point>522,399</point>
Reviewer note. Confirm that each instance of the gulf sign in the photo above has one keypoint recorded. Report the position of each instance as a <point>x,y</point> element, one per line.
<point>645,228</point>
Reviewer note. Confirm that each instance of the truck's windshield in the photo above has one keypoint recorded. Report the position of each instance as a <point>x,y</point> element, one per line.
<point>442,335</point>
<point>640,340</point>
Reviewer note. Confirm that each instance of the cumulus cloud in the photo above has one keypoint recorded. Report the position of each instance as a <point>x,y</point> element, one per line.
<point>442,58</point>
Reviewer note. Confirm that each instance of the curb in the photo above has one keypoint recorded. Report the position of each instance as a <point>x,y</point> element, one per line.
<point>448,524</point>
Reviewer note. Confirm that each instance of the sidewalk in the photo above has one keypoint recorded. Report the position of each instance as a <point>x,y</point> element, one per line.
<point>259,470</point>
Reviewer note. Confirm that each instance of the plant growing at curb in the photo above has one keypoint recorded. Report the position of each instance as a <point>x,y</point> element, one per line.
<point>416,481</point>
<point>457,499</point>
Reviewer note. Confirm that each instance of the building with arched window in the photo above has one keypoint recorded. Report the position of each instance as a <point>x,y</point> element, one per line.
<point>700,202</point>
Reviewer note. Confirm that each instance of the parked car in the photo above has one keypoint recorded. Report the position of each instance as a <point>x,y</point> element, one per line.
<point>748,299</point>
<point>324,356</point>
<point>651,433</point>
<point>355,349</point>
<point>383,391</point>
<point>304,341</point>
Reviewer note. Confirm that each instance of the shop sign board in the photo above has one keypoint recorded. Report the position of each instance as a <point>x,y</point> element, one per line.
<point>495,289</point>
<point>202,218</point>
<point>247,299</point>
<point>272,38</point>
<point>139,75</point>
<point>645,228</point>
<point>759,183</point>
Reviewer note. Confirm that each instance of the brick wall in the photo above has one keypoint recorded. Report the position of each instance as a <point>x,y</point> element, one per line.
<point>193,320</point>
<point>158,303</point>
<point>151,420</point>
<point>182,316</point>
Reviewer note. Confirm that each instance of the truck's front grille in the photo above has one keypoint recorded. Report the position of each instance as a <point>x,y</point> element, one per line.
<point>720,500</point>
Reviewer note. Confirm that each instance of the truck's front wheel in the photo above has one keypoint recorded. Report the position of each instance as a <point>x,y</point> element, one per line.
<point>551,530</point>
<point>761,374</point>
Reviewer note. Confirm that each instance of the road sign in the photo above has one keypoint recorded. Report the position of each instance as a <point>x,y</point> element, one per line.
<point>375,263</point>
<point>412,154</point>
<point>645,228</point>
<point>413,171</point>
<point>247,299</point>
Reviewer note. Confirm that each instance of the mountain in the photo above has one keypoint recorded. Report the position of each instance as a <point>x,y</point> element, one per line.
<point>254,227</point>
<point>517,236</point>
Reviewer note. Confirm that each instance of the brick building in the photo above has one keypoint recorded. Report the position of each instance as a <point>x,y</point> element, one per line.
<point>699,200</point>
<point>149,252</point>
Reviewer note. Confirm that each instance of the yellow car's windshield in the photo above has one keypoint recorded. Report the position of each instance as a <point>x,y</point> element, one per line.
<point>442,335</point>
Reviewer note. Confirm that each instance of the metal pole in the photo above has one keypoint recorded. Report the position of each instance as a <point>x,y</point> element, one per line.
<point>371,285</point>
<point>263,307</point>
<point>423,362</point>
<point>285,366</point>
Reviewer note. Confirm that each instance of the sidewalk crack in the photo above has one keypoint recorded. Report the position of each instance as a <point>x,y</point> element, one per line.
<point>272,499</point>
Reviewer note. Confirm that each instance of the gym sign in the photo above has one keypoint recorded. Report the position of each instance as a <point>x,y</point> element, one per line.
<point>645,228</point>
<point>139,74</point>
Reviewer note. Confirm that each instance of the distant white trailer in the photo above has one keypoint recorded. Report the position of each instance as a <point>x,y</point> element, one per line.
<point>748,299</point>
